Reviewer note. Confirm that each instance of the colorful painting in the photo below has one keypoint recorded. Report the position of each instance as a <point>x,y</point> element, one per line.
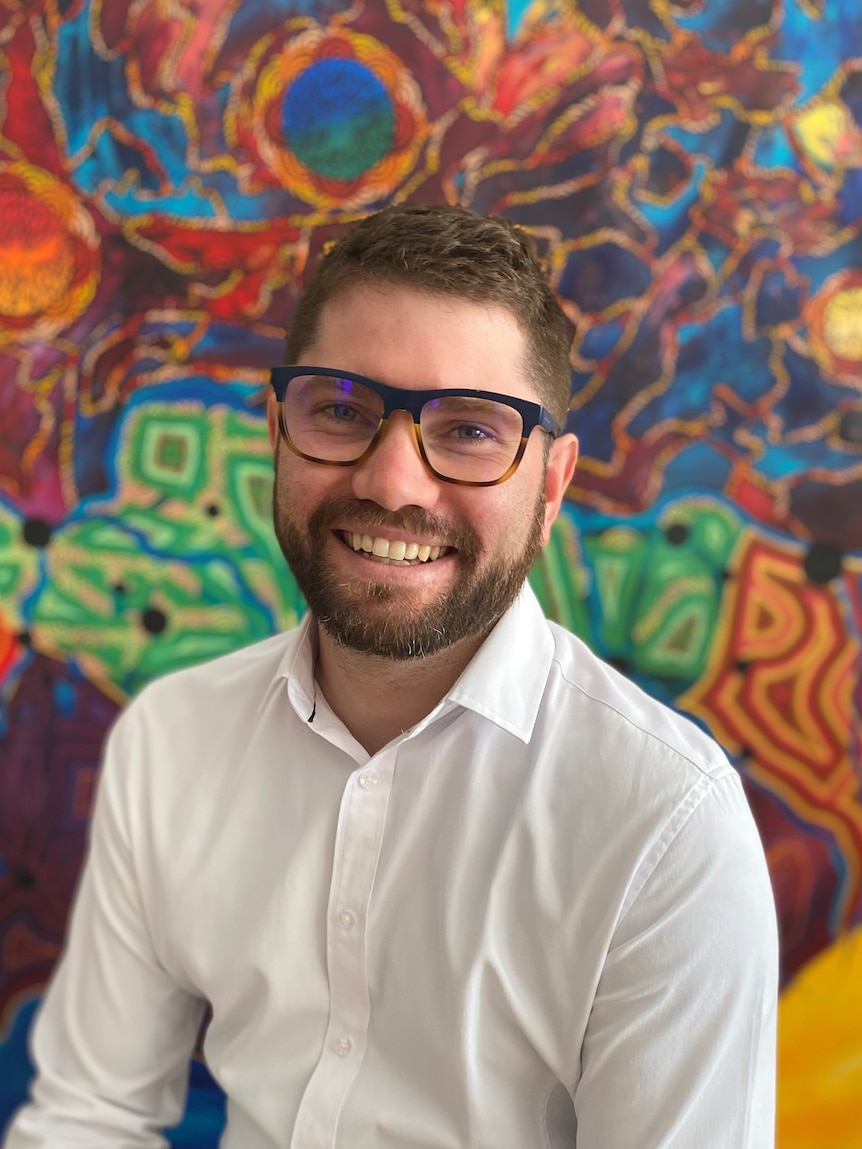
<point>692,176</point>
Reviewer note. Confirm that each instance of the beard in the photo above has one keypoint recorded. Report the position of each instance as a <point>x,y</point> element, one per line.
<point>350,612</point>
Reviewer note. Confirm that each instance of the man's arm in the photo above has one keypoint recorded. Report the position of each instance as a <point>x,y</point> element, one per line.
<point>114,1035</point>
<point>680,1048</point>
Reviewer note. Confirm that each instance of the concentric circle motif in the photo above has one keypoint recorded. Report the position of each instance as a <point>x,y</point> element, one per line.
<point>337,118</point>
<point>834,317</point>
<point>49,254</point>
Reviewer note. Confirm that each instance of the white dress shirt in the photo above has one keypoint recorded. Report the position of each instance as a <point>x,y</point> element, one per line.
<point>540,917</point>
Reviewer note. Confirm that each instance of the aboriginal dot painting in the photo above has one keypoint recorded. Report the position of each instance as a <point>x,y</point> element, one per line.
<point>692,175</point>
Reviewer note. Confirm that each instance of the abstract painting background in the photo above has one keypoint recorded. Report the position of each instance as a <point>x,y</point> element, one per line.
<point>692,174</point>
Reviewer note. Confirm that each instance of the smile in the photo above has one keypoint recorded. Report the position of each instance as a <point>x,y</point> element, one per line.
<point>393,550</point>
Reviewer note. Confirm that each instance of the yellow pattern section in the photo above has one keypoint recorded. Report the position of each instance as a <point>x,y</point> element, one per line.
<point>820,1051</point>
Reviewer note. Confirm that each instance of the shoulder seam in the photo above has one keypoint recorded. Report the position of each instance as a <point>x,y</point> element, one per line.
<point>721,770</point>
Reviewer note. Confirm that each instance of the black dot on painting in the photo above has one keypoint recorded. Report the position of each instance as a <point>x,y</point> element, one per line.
<point>851,89</point>
<point>742,666</point>
<point>213,510</point>
<point>25,880</point>
<point>823,562</point>
<point>850,427</point>
<point>154,620</point>
<point>120,588</point>
<point>36,532</point>
<point>725,575</point>
<point>24,638</point>
<point>621,664</point>
<point>676,534</point>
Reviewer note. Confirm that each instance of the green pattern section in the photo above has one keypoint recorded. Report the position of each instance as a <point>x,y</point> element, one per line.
<point>647,597</point>
<point>182,564</point>
<point>19,571</point>
<point>713,530</point>
<point>681,592</point>
<point>618,561</point>
<point>560,580</point>
<point>167,451</point>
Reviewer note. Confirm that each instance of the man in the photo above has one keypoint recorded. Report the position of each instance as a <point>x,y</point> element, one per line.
<point>442,877</point>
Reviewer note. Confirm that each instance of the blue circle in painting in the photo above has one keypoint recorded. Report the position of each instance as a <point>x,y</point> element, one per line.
<point>338,118</point>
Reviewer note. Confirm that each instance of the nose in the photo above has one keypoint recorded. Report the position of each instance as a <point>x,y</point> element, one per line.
<point>394,475</point>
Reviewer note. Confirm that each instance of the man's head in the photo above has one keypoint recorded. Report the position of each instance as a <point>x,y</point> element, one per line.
<point>448,251</point>
<point>394,560</point>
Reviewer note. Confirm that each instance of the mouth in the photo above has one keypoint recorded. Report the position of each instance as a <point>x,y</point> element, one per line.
<point>396,552</point>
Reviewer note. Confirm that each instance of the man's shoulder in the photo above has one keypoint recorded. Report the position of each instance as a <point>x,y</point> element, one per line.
<point>243,674</point>
<point>202,716</point>
<point>621,713</point>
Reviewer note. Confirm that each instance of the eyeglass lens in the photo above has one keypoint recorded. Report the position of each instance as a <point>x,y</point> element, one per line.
<point>334,420</point>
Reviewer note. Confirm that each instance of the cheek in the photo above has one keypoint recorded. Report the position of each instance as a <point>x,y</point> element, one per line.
<point>289,493</point>
<point>299,483</point>
<point>502,524</point>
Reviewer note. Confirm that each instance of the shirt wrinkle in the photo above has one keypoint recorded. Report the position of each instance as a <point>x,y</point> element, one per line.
<point>672,828</point>
<point>717,769</point>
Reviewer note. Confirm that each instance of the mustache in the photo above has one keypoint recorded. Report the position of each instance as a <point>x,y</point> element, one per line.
<point>333,513</point>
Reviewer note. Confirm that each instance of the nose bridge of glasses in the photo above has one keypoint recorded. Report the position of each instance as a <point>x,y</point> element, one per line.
<point>397,400</point>
<point>396,417</point>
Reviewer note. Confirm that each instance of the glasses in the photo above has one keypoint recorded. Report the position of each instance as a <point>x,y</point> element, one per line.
<point>472,437</point>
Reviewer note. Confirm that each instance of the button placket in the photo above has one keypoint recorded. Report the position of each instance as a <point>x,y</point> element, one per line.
<point>357,848</point>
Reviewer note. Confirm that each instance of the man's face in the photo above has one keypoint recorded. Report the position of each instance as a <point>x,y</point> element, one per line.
<point>350,534</point>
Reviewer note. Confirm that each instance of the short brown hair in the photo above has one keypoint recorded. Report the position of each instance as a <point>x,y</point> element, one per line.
<point>448,250</point>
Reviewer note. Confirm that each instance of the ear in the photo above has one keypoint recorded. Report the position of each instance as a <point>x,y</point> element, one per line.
<point>272,421</point>
<point>561,466</point>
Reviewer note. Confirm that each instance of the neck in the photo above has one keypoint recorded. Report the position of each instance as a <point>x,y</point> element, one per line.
<point>377,698</point>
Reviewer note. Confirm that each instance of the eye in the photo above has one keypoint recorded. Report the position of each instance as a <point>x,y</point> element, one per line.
<point>470,423</point>
<point>470,432</point>
<point>461,435</point>
<point>340,412</point>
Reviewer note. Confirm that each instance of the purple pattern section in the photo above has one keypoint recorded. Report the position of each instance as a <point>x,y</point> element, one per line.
<point>49,761</point>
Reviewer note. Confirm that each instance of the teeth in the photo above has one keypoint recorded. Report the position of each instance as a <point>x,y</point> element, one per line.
<point>395,550</point>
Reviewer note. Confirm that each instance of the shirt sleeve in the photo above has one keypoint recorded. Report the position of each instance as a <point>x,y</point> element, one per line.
<point>680,1047</point>
<point>114,1035</point>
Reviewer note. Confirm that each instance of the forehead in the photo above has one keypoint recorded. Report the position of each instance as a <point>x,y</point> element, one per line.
<point>419,340</point>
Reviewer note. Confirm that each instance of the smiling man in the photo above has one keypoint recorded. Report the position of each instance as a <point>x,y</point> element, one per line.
<point>439,876</point>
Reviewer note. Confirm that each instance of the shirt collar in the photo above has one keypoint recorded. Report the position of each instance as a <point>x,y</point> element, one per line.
<point>297,668</point>
<point>504,681</point>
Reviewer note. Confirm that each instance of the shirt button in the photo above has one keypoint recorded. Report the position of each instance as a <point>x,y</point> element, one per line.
<point>368,780</point>
<point>343,1046</point>
<point>346,919</point>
